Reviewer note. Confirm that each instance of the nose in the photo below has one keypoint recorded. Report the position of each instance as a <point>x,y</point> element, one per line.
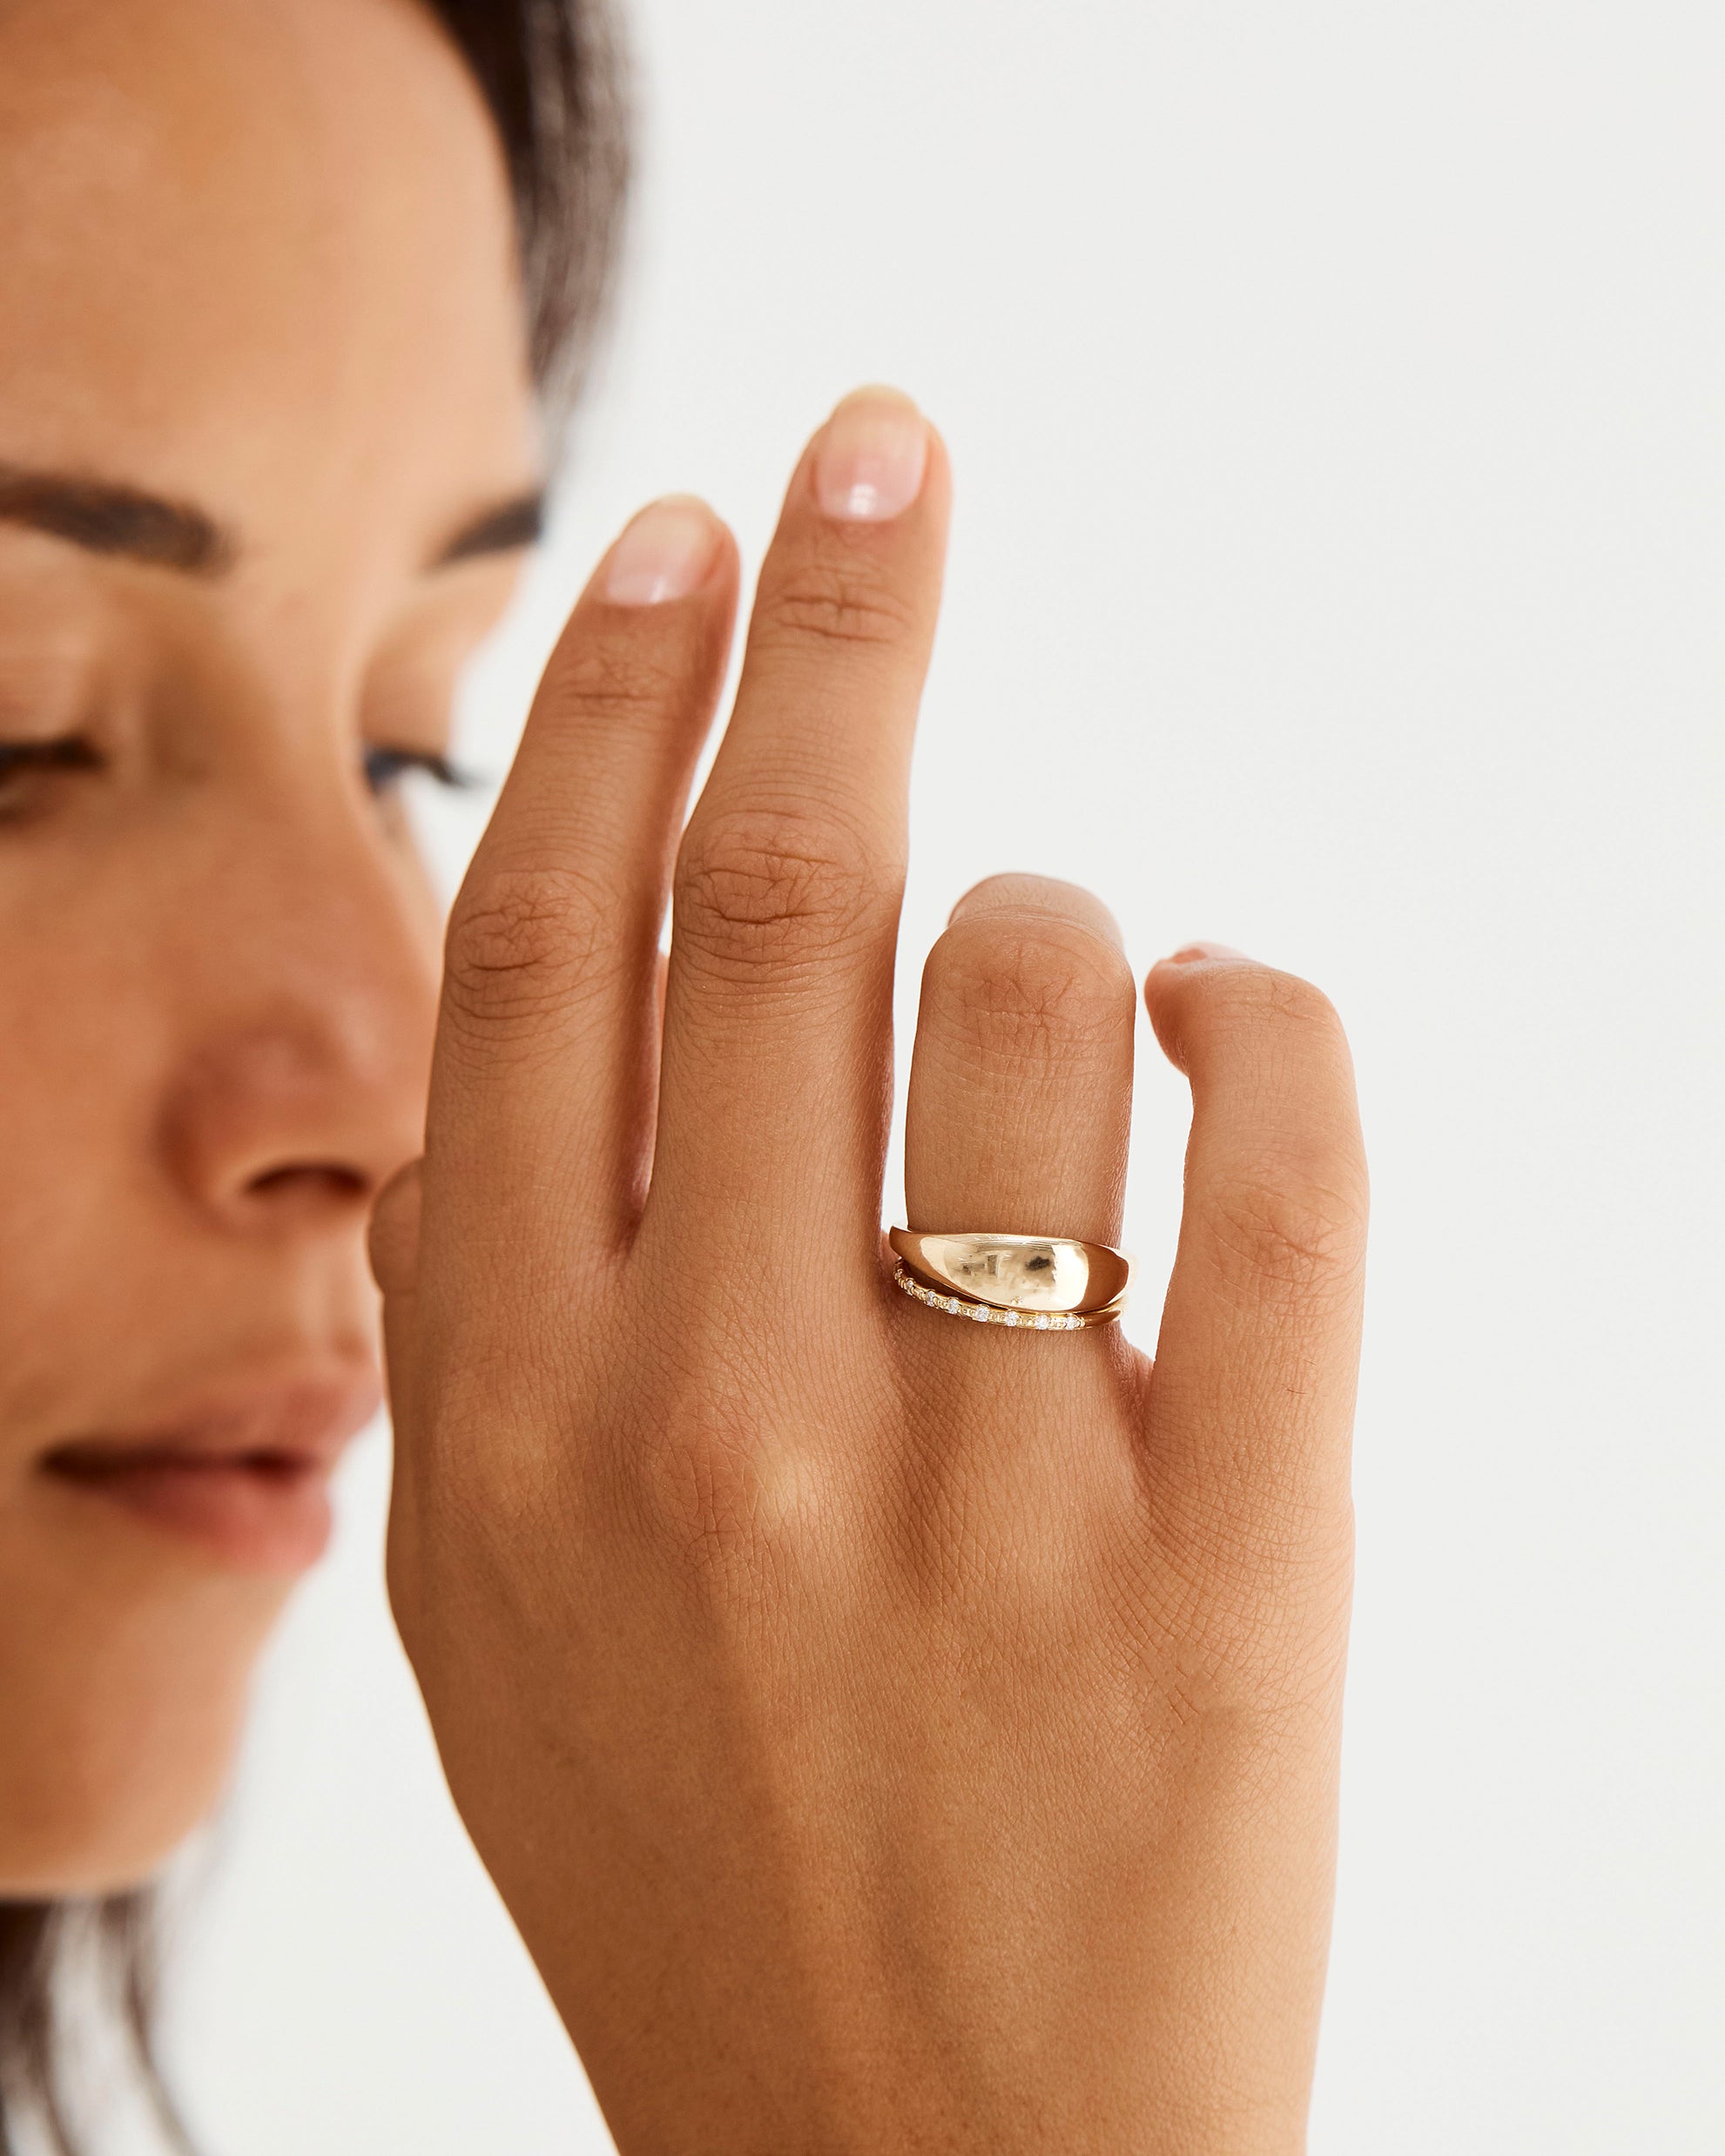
<point>307,1001</point>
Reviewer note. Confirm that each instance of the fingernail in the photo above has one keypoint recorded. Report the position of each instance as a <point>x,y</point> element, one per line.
<point>1195,954</point>
<point>873,456</point>
<point>664,553</point>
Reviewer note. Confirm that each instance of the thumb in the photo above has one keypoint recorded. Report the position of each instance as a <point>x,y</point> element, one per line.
<point>393,1243</point>
<point>393,1246</point>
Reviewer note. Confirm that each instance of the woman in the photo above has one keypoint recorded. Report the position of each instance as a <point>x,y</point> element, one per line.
<point>885,1732</point>
<point>247,533</point>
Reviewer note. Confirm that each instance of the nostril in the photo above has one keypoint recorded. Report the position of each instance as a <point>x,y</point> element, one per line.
<point>288,1130</point>
<point>311,1184</point>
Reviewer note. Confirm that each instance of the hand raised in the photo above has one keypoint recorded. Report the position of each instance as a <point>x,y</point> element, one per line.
<point>889,1732</point>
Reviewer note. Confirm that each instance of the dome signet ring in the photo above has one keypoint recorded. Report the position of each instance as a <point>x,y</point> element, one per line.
<point>1052,1283</point>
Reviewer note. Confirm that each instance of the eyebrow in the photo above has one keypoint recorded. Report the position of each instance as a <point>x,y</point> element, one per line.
<point>107,517</point>
<point>103,518</point>
<point>519,522</point>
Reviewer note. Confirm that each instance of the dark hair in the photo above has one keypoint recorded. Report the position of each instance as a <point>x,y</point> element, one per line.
<point>551,74</point>
<point>107,1951</point>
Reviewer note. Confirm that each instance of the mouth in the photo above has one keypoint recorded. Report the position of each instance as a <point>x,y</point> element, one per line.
<point>244,1480</point>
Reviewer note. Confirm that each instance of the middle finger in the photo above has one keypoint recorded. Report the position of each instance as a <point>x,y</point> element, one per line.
<point>775,1082</point>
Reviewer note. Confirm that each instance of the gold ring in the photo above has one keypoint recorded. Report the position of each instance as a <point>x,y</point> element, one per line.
<point>1056,1275</point>
<point>991,1314</point>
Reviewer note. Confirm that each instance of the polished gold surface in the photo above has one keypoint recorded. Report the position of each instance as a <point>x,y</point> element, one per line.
<point>990,1314</point>
<point>1015,1272</point>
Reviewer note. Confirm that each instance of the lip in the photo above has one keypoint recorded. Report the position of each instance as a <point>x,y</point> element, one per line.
<point>242,1476</point>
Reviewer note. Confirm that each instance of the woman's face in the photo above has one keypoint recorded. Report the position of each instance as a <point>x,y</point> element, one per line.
<point>266,458</point>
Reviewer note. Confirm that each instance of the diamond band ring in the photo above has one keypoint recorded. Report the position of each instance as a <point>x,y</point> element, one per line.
<point>983,1313</point>
<point>1012,1277</point>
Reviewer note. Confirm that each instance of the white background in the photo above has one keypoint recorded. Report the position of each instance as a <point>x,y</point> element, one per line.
<point>1335,397</point>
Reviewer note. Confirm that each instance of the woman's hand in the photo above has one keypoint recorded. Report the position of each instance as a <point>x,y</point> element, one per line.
<point>889,1733</point>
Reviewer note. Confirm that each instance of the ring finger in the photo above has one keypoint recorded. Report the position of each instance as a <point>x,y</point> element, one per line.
<point>1021,1090</point>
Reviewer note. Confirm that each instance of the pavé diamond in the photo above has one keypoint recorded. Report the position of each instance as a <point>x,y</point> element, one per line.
<point>985,1313</point>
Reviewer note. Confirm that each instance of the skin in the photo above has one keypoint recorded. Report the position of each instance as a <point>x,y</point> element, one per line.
<point>236,227</point>
<point>889,1732</point>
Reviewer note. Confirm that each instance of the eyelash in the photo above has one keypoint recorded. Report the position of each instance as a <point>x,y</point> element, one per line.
<point>70,753</point>
<point>386,767</point>
<point>382,767</point>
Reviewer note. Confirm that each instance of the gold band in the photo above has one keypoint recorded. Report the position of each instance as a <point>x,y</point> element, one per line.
<point>1058,1275</point>
<point>989,1314</point>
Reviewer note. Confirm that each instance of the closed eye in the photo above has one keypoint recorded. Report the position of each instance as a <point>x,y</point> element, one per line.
<point>29,772</point>
<point>69,753</point>
<point>386,767</point>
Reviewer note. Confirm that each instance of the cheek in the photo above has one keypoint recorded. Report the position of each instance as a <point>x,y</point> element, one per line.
<point>123,1675</point>
<point>426,906</point>
<point>84,1039</point>
<point>70,1103</point>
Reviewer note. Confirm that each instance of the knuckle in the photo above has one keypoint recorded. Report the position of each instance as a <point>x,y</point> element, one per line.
<point>1299,1233</point>
<point>1260,1001</point>
<point>832,606</point>
<point>759,890</point>
<point>605,680</point>
<point>523,945</point>
<point>699,1495</point>
<point>1032,991</point>
<point>705,1489</point>
<point>1253,1572</point>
